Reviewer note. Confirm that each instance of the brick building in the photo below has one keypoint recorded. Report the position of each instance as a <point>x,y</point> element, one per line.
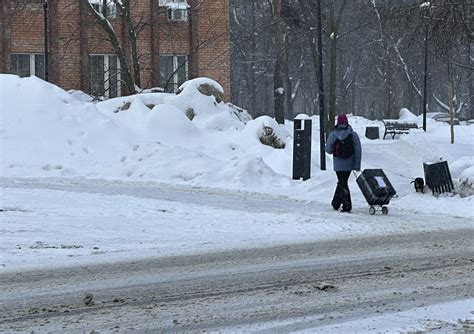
<point>177,40</point>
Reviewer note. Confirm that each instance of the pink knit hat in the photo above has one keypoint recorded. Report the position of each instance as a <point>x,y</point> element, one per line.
<point>342,119</point>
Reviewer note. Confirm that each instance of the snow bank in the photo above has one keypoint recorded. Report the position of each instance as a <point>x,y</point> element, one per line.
<point>463,168</point>
<point>194,138</point>
<point>51,133</point>
<point>407,116</point>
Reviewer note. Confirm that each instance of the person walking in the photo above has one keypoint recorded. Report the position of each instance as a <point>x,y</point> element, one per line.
<point>344,144</point>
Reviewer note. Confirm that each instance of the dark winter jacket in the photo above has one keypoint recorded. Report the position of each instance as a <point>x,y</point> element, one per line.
<point>340,164</point>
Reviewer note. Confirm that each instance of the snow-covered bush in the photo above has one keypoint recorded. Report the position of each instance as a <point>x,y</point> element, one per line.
<point>205,86</point>
<point>269,138</point>
<point>190,113</point>
<point>211,90</point>
<point>200,100</point>
<point>465,188</point>
<point>267,131</point>
<point>462,169</point>
<point>203,105</point>
<point>240,113</point>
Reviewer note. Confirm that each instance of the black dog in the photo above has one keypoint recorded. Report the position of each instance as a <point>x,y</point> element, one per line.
<point>419,184</point>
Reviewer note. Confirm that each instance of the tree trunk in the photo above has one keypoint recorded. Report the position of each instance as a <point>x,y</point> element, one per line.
<point>470,78</point>
<point>450,99</point>
<point>332,83</point>
<point>387,84</point>
<point>310,35</point>
<point>390,89</point>
<point>251,71</point>
<point>288,92</point>
<point>132,34</point>
<point>107,27</point>
<point>278,78</point>
<point>83,48</point>
<point>5,34</point>
<point>334,24</point>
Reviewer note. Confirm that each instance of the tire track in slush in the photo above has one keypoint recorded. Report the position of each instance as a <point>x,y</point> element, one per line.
<point>288,287</point>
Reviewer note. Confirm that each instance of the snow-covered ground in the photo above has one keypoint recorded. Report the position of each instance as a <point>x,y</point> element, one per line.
<point>160,174</point>
<point>77,225</point>
<point>189,140</point>
<point>452,317</point>
<point>51,134</point>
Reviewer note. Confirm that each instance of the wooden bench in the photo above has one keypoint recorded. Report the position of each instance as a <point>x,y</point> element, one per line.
<point>394,127</point>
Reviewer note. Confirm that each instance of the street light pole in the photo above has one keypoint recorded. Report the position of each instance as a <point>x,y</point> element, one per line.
<point>322,137</point>
<point>425,11</point>
<point>425,77</point>
<point>45,8</point>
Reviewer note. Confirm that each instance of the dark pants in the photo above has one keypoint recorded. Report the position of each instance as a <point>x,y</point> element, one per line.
<point>342,194</point>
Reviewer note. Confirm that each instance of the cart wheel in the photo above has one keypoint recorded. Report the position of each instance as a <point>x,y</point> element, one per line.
<point>372,210</point>
<point>384,210</point>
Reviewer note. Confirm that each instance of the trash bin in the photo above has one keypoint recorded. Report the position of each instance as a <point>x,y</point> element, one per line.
<point>302,149</point>
<point>437,177</point>
<point>372,132</point>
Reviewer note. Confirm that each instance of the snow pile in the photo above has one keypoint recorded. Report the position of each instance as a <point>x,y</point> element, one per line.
<point>194,138</point>
<point>463,168</point>
<point>407,116</point>
<point>50,132</point>
<point>149,136</point>
<point>81,96</point>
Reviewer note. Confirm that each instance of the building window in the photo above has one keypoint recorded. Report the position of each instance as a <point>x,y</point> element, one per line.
<point>167,2</point>
<point>105,75</point>
<point>173,72</point>
<point>28,4</point>
<point>177,9</point>
<point>107,8</point>
<point>177,14</point>
<point>25,64</point>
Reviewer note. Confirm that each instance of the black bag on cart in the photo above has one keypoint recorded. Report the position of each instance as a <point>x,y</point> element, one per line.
<point>376,188</point>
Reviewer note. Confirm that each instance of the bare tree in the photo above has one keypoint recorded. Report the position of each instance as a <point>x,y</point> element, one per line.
<point>279,73</point>
<point>450,28</point>
<point>335,18</point>
<point>378,66</point>
<point>131,80</point>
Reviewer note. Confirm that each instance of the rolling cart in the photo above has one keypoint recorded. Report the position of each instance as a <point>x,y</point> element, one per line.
<point>376,188</point>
